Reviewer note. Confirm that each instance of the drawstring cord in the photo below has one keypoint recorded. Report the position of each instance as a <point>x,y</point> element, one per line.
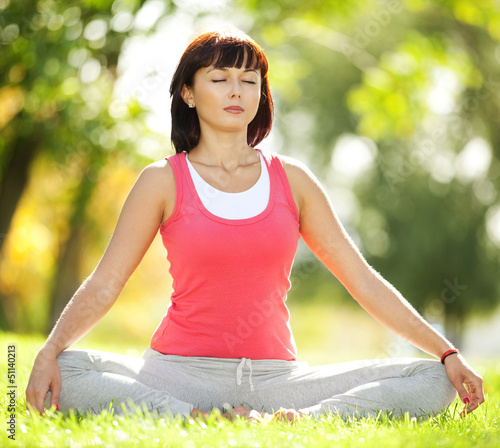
<point>239,372</point>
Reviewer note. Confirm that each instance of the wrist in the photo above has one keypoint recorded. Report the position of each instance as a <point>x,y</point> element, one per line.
<point>49,351</point>
<point>448,353</point>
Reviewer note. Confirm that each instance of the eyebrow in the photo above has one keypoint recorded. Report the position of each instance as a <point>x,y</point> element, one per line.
<point>225,69</point>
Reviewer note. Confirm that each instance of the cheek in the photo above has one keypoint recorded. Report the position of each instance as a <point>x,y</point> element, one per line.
<point>207,97</point>
<point>254,95</point>
<point>258,100</point>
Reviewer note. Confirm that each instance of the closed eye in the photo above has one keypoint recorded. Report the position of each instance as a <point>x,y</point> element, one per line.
<point>218,80</point>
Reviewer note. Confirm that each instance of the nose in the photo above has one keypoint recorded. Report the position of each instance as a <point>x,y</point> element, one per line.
<point>235,89</point>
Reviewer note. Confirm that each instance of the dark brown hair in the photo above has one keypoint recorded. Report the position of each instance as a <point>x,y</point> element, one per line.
<point>222,49</point>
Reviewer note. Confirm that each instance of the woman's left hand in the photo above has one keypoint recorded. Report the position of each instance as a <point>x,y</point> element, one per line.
<point>466,381</point>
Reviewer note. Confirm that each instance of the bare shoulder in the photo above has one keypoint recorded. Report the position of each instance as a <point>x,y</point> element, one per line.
<point>297,170</point>
<point>160,171</point>
<point>157,182</point>
<point>303,182</point>
<point>157,177</point>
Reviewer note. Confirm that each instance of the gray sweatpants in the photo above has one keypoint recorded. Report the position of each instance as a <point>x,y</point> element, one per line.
<point>173,385</point>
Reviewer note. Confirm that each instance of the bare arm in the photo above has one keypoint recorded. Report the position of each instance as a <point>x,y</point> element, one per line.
<point>324,234</point>
<point>151,198</point>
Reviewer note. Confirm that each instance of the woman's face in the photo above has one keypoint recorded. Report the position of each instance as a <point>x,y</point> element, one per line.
<point>226,99</point>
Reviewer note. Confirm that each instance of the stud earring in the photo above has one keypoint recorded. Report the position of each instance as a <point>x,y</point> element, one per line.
<point>191,105</point>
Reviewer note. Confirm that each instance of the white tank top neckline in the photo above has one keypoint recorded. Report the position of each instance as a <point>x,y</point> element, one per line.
<point>241,205</point>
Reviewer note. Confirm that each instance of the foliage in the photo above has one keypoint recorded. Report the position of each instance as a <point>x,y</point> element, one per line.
<point>415,83</point>
<point>61,128</point>
<point>442,83</point>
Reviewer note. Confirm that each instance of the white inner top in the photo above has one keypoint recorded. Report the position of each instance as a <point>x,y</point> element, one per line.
<point>242,205</point>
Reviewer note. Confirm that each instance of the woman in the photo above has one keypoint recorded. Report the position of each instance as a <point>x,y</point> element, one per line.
<point>230,217</point>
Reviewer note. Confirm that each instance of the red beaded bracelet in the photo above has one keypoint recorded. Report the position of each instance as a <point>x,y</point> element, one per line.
<point>448,353</point>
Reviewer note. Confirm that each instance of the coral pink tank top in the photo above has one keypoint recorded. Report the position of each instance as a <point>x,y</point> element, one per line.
<point>230,276</point>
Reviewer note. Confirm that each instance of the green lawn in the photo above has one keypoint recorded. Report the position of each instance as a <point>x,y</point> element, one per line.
<point>58,430</point>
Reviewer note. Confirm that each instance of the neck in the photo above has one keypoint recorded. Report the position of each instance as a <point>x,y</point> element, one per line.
<point>225,150</point>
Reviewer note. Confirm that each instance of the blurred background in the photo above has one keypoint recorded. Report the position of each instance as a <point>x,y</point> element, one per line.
<point>394,104</point>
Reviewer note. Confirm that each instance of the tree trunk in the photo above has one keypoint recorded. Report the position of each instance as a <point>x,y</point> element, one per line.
<point>12,186</point>
<point>67,277</point>
<point>15,179</point>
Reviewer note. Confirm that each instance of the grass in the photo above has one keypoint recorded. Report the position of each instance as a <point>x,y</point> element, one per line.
<point>59,430</point>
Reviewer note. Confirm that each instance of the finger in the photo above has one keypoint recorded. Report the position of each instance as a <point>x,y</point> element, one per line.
<point>32,409</point>
<point>476,396</point>
<point>29,397</point>
<point>469,406</point>
<point>40,395</point>
<point>466,410</point>
<point>55,393</point>
<point>31,402</point>
<point>462,391</point>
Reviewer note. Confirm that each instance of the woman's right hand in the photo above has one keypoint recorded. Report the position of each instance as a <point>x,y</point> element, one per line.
<point>45,376</point>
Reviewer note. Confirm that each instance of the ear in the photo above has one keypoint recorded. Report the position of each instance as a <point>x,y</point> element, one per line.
<point>187,94</point>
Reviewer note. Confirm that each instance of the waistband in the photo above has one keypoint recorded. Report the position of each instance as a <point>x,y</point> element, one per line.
<point>227,366</point>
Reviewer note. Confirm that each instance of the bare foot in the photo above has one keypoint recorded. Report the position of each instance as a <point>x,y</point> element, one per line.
<point>231,414</point>
<point>197,413</point>
<point>242,411</point>
<point>290,415</point>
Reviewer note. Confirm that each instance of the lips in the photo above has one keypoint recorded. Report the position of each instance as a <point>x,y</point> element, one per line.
<point>234,109</point>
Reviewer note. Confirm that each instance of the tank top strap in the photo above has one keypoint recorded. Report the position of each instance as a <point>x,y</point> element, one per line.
<point>181,186</point>
<point>280,191</point>
<point>275,164</point>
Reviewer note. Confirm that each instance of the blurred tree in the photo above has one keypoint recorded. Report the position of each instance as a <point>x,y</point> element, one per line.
<point>57,70</point>
<point>438,91</point>
<point>416,79</point>
<point>419,80</point>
